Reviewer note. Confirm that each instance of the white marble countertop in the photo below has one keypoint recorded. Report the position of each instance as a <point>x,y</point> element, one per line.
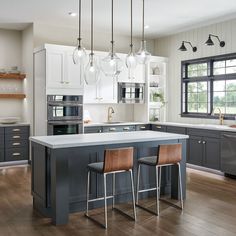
<point>198,126</point>
<point>15,124</point>
<point>82,140</point>
<point>113,123</point>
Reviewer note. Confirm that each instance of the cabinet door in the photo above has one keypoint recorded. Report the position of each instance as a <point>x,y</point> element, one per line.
<point>89,130</point>
<point>107,89</point>
<point>160,128</point>
<point>55,71</point>
<point>176,130</point>
<point>90,93</point>
<point>211,157</point>
<point>195,151</point>
<point>139,74</point>
<point>73,73</point>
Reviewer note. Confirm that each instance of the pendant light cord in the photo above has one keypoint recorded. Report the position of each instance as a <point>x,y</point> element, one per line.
<point>112,26</point>
<point>143,23</point>
<point>131,21</point>
<point>91,27</point>
<point>79,23</point>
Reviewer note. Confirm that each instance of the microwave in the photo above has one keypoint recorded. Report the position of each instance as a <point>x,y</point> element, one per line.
<point>131,92</point>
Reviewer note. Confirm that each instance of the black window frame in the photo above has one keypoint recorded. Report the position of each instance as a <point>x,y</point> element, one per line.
<point>210,78</point>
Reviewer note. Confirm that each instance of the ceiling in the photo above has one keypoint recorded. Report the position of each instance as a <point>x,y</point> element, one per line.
<point>163,16</point>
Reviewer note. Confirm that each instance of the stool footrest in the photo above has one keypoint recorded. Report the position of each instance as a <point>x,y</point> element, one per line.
<point>146,209</point>
<point>99,199</point>
<point>170,203</point>
<point>147,190</point>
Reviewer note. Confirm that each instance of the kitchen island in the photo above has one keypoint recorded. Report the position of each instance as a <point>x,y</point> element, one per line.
<point>59,171</point>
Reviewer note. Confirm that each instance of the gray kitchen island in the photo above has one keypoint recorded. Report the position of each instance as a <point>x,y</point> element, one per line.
<point>59,172</point>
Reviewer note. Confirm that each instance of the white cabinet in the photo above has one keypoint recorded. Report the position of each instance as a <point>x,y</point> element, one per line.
<point>61,72</point>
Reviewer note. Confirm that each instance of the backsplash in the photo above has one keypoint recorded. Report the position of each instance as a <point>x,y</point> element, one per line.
<point>98,112</point>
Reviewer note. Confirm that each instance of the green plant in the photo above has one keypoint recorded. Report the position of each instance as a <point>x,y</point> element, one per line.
<point>158,96</point>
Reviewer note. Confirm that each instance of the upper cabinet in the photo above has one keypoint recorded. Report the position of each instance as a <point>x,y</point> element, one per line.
<point>61,72</point>
<point>136,76</point>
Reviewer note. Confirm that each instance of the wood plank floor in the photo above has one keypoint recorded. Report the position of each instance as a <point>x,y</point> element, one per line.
<point>210,209</point>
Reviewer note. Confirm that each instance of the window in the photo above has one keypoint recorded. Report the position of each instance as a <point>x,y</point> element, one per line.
<point>209,83</point>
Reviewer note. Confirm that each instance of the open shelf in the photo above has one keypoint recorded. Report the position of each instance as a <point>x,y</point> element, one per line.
<point>12,76</point>
<point>13,95</point>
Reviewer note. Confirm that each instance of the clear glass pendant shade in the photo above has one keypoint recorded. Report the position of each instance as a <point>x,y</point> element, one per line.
<point>131,60</point>
<point>111,65</point>
<point>91,74</point>
<point>79,55</point>
<point>143,56</point>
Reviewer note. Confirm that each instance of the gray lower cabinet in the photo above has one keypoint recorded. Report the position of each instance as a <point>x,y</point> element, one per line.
<point>161,128</point>
<point>94,129</point>
<point>16,143</point>
<point>204,148</point>
<point>119,128</point>
<point>1,144</point>
<point>143,127</point>
<point>176,130</point>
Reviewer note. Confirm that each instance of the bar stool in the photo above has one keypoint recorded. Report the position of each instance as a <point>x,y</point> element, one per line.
<point>167,155</point>
<point>115,161</point>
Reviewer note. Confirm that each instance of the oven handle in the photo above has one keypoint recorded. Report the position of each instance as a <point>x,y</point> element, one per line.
<point>65,122</point>
<point>66,104</point>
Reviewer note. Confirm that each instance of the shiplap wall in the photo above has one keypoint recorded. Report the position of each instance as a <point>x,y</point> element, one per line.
<point>168,47</point>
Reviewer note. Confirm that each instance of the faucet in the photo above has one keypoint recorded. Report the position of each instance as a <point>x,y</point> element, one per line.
<point>110,112</point>
<point>221,116</point>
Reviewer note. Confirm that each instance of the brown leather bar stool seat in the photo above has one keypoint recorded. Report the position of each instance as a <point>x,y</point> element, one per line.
<point>167,155</point>
<point>115,161</point>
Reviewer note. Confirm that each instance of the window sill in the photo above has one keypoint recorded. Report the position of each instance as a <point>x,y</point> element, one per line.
<point>204,116</point>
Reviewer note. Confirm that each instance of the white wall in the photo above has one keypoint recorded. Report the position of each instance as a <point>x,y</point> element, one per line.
<point>27,67</point>
<point>168,47</point>
<point>11,52</point>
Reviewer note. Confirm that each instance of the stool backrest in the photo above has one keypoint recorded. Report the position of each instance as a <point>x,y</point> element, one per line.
<point>118,159</point>
<point>169,154</point>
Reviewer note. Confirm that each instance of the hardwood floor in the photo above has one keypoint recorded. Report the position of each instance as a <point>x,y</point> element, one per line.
<point>210,209</point>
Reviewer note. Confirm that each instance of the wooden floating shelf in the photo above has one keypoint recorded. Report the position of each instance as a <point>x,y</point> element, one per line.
<point>12,76</point>
<point>12,95</point>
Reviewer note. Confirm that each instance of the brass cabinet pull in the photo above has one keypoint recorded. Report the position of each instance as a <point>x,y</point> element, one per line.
<point>142,127</point>
<point>16,136</point>
<point>112,129</point>
<point>16,130</point>
<point>158,127</point>
<point>15,144</point>
<point>16,154</point>
<point>126,128</point>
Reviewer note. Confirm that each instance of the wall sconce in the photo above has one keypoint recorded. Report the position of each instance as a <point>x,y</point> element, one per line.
<point>209,41</point>
<point>183,48</point>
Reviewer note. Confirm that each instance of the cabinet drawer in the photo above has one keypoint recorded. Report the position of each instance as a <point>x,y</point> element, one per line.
<point>1,155</point>
<point>16,137</point>
<point>142,127</point>
<point>1,140</point>
<point>1,131</point>
<point>16,154</point>
<point>16,130</point>
<point>204,133</point>
<point>88,130</point>
<point>17,143</point>
<point>176,130</point>
<point>119,128</point>
<point>160,128</point>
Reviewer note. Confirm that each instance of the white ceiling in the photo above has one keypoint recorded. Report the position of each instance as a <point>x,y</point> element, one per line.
<point>164,16</point>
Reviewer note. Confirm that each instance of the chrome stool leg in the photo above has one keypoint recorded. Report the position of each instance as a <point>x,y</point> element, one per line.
<point>157,192</point>
<point>133,198</point>
<point>87,194</point>
<point>105,200</point>
<point>180,186</point>
<point>113,189</point>
<point>159,182</point>
<point>138,184</point>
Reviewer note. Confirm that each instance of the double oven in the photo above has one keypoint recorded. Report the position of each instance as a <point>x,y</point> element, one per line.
<point>64,114</point>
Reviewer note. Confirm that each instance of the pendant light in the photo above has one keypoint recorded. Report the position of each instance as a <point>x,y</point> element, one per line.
<point>92,69</point>
<point>131,61</point>
<point>112,65</point>
<point>79,53</point>
<point>143,56</point>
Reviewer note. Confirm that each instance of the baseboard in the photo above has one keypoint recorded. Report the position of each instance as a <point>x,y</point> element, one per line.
<point>191,166</point>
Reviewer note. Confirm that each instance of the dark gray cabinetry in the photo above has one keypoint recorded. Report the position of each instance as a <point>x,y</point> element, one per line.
<point>1,144</point>
<point>16,143</point>
<point>176,130</point>
<point>119,128</point>
<point>204,148</point>
<point>94,129</point>
<point>228,153</point>
<point>142,127</point>
<point>161,128</point>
